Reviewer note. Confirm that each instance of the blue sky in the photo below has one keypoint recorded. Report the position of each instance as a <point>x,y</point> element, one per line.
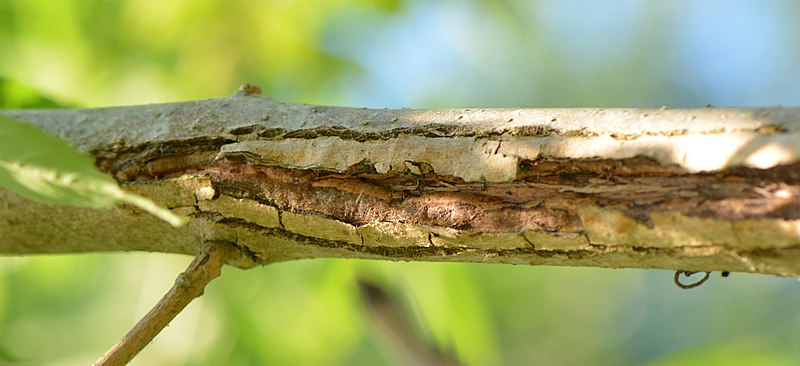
<point>642,54</point>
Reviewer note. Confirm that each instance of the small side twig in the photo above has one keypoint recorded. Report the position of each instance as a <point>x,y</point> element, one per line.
<point>190,284</point>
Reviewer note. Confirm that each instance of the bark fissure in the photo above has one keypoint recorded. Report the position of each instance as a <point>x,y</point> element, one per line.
<point>706,257</point>
<point>547,201</point>
<point>156,160</point>
<point>421,252</point>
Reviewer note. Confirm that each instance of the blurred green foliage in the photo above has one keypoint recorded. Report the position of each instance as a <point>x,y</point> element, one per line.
<point>66,310</point>
<point>14,95</point>
<point>106,52</point>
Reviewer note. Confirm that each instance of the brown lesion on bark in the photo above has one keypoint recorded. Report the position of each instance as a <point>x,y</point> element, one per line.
<point>431,130</point>
<point>598,212</point>
<point>524,186</point>
<point>640,185</point>
<point>157,160</point>
<point>545,196</point>
<point>393,197</point>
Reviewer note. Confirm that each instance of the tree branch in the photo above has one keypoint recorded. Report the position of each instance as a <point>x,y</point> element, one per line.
<point>206,266</point>
<point>694,190</point>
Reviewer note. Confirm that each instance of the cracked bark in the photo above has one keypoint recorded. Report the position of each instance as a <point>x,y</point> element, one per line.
<point>699,189</point>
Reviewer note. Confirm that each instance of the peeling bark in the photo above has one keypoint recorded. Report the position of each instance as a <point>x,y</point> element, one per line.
<point>699,189</point>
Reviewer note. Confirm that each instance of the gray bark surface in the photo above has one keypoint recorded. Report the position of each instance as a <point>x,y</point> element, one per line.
<point>696,189</point>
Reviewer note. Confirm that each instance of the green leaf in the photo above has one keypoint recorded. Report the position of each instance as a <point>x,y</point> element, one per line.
<point>46,169</point>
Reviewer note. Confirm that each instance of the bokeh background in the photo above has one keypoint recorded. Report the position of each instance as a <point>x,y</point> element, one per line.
<point>66,310</point>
